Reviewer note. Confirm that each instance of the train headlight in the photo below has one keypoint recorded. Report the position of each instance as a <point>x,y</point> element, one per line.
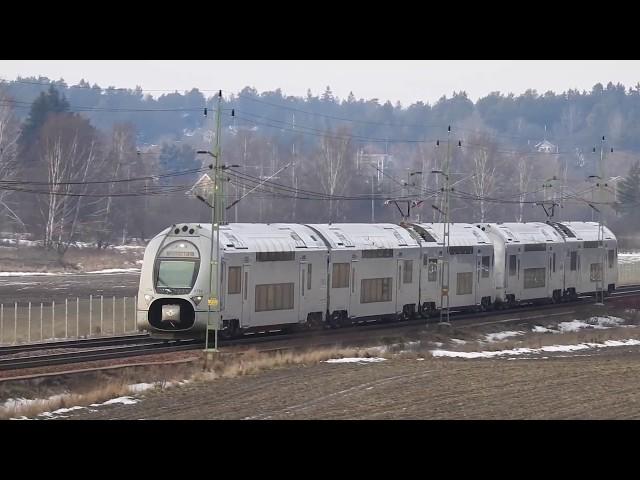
<point>197,299</point>
<point>148,298</point>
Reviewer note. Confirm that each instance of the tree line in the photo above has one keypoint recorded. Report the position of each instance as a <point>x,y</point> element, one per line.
<point>83,163</point>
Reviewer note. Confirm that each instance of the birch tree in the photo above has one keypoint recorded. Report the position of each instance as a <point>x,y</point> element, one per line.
<point>331,167</point>
<point>69,153</point>
<point>9,135</point>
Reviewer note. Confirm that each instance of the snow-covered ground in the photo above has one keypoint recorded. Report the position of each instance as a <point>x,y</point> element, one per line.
<point>597,323</point>
<point>535,351</point>
<point>117,270</point>
<point>355,360</point>
<point>629,257</point>
<point>493,337</point>
<point>45,274</point>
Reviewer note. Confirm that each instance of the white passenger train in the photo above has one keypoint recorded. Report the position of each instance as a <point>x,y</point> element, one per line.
<point>275,276</point>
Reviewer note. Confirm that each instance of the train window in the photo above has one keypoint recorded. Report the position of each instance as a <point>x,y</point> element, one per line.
<point>340,276</point>
<point>246,284</point>
<point>379,253</point>
<point>274,256</point>
<point>465,283</point>
<point>460,250</point>
<point>611,254</point>
<point>486,264</point>
<point>596,272</point>
<point>535,247</point>
<point>176,274</point>
<point>235,275</point>
<point>274,296</point>
<point>574,261</point>
<point>407,274</point>
<point>592,244</point>
<point>554,262</point>
<point>512,265</point>
<point>534,277</point>
<point>432,270</point>
<point>376,290</point>
<point>309,277</point>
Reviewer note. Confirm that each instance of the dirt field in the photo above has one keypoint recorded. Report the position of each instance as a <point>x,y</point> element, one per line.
<point>599,387</point>
<point>578,365</point>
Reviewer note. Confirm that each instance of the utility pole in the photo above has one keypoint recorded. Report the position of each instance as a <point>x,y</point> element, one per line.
<point>217,212</point>
<point>445,272</point>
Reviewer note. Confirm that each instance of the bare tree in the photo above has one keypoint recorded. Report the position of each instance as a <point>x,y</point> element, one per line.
<point>524,178</point>
<point>331,167</point>
<point>9,134</point>
<point>484,166</point>
<point>69,154</point>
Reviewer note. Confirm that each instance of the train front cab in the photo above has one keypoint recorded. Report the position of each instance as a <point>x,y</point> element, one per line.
<point>171,283</point>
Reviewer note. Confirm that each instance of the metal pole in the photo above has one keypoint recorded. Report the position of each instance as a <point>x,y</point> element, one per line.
<point>124,313</point>
<point>213,300</point>
<point>77,316</point>
<point>135,312</point>
<point>15,322</point>
<point>113,316</point>
<point>90,312</point>
<point>29,322</point>
<point>101,312</point>
<point>66,317</point>
<point>53,319</point>
<point>1,322</point>
<point>41,326</point>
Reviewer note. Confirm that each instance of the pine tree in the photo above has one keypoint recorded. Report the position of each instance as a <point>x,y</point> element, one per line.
<point>629,191</point>
<point>45,105</point>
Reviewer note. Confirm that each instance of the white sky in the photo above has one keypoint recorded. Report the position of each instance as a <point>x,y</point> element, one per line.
<point>404,80</point>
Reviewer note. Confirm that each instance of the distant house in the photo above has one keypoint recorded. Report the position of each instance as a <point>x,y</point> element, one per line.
<point>202,187</point>
<point>546,147</point>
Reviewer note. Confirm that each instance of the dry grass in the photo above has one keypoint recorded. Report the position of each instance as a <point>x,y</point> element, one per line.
<point>37,407</point>
<point>252,362</point>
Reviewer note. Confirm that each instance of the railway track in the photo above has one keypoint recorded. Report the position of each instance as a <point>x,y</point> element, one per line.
<point>77,343</point>
<point>106,353</point>
<point>122,347</point>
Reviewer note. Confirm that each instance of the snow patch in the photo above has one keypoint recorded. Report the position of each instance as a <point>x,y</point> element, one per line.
<point>533,351</point>
<point>123,400</point>
<point>540,329</point>
<point>117,270</point>
<point>598,323</point>
<point>493,337</point>
<point>457,341</point>
<point>355,360</point>
<point>32,274</point>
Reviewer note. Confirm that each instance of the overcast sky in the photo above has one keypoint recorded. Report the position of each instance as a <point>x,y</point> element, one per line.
<point>405,80</point>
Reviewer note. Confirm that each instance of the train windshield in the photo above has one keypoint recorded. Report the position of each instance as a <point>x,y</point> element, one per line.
<point>176,274</point>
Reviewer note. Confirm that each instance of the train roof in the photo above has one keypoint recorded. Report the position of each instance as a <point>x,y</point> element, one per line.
<point>266,237</point>
<point>587,231</point>
<point>527,232</point>
<point>460,234</point>
<point>364,235</point>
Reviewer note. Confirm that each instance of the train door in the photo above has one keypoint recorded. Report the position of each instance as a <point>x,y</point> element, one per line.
<point>476,277</point>
<point>247,296</point>
<point>354,291</point>
<point>512,273</point>
<point>302,292</point>
<point>400,266</point>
